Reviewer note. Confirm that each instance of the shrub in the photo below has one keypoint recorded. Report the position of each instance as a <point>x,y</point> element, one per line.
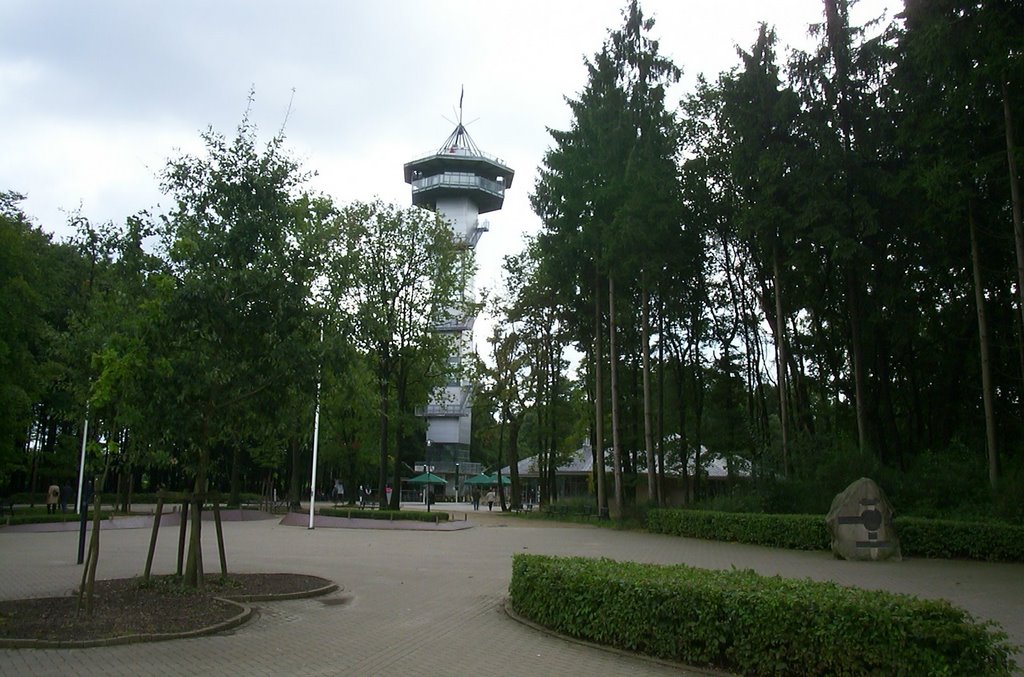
<point>919,537</point>
<point>390,515</point>
<point>741,621</point>
<point>989,541</point>
<point>797,532</point>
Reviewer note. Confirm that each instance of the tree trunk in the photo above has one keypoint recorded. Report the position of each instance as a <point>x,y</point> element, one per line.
<point>235,498</point>
<point>661,400</point>
<point>612,358</point>
<point>294,484</point>
<point>780,348</point>
<point>645,340</point>
<point>501,443</point>
<point>402,440</point>
<point>602,498</point>
<point>857,359</point>
<point>514,423</point>
<point>542,484</point>
<point>986,376</point>
<point>382,475</point>
<point>684,451</point>
<point>1018,228</point>
<point>553,416</point>
<point>194,562</point>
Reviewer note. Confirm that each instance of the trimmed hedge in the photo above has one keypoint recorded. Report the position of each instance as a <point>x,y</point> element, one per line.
<point>949,539</point>
<point>391,515</point>
<point>919,537</point>
<point>796,532</point>
<point>748,623</point>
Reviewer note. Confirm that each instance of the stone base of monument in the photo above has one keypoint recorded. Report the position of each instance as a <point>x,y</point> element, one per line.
<point>860,522</point>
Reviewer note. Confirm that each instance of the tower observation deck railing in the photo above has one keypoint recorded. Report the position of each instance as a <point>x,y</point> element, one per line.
<point>448,409</point>
<point>460,152</point>
<point>459,180</point>
<point>454,324</point>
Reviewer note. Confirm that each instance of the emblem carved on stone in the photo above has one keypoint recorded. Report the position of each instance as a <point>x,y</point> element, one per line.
<point>860,522</point>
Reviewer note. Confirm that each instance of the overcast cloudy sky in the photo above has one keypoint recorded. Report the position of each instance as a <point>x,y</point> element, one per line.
<point>96,96</point>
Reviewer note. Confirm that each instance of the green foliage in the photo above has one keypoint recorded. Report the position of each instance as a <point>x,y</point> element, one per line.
<point>798,532</point>
<point>973,540</point>
<point>751,624</point>
<point>407,275</point>
<point>39,286</point>
<point>919,537</point>
<point>945,483</point>
<point>388,515</point>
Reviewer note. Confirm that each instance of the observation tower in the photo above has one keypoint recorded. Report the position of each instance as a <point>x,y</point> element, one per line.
<point>459,182</point>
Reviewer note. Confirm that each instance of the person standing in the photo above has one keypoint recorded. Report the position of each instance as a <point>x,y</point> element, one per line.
<point>65,496</point>
<point>52,497</point>
<point>490,500</point>
<point>476,498</point>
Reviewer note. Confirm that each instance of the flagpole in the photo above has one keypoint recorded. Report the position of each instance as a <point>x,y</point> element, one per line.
<point>81,463</point>
<point>316,440</point>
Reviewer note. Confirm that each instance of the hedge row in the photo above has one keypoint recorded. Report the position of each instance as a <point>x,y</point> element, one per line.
<point>919,537</point>
<point>391,515</point>
<point>43,518</point>
<point>744,622</point>
<point>948,539</point>
<point>795,532</point>
<point>109,497</point>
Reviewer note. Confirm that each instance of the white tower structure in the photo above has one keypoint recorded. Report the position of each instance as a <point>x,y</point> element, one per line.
<point>460,183</point>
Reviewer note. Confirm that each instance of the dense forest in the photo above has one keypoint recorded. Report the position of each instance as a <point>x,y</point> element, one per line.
<point>810,268</point>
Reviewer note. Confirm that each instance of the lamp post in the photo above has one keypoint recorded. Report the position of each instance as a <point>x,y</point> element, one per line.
<point>456,482</point>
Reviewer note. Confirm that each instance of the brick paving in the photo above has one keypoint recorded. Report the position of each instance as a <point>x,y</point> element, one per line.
<point>427,602</point>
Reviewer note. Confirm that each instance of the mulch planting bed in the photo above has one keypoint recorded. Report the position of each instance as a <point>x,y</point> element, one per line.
<point>124,607</point>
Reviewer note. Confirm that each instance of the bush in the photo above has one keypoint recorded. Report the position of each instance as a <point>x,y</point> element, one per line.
<point>973,540</point>
<point>796,532</point>
<point>919,537</point>
<point>747,623</point>
<point>390,515</point>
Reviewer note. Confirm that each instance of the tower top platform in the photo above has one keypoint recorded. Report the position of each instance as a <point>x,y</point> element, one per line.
<point>459,167</point>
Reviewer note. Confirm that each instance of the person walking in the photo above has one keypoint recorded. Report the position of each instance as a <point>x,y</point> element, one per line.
<point>490,500</point>
<point>476,498</point>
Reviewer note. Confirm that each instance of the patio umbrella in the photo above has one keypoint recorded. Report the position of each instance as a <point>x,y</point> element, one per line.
<point>428,479</point>
<point>481,479</point>
<point>505,479</point>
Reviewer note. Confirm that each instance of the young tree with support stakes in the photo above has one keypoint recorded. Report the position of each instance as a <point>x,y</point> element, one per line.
<point>234,332</point>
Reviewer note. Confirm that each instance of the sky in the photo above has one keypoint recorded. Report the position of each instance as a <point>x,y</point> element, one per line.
<point>96,96</point>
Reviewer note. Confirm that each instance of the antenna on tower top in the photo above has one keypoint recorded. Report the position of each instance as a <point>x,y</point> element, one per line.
<point>459,140</point>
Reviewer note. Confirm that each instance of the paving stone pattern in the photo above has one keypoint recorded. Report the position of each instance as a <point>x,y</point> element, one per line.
<point>427,602</point>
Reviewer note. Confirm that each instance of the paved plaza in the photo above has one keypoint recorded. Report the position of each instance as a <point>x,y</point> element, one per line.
<point>422,602</point>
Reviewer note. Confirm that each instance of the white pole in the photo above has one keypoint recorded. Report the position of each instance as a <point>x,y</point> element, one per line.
<point>316,443</point>
<point>81,465</point>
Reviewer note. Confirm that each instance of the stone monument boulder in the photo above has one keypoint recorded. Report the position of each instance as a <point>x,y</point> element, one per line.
<point>860,522</point>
